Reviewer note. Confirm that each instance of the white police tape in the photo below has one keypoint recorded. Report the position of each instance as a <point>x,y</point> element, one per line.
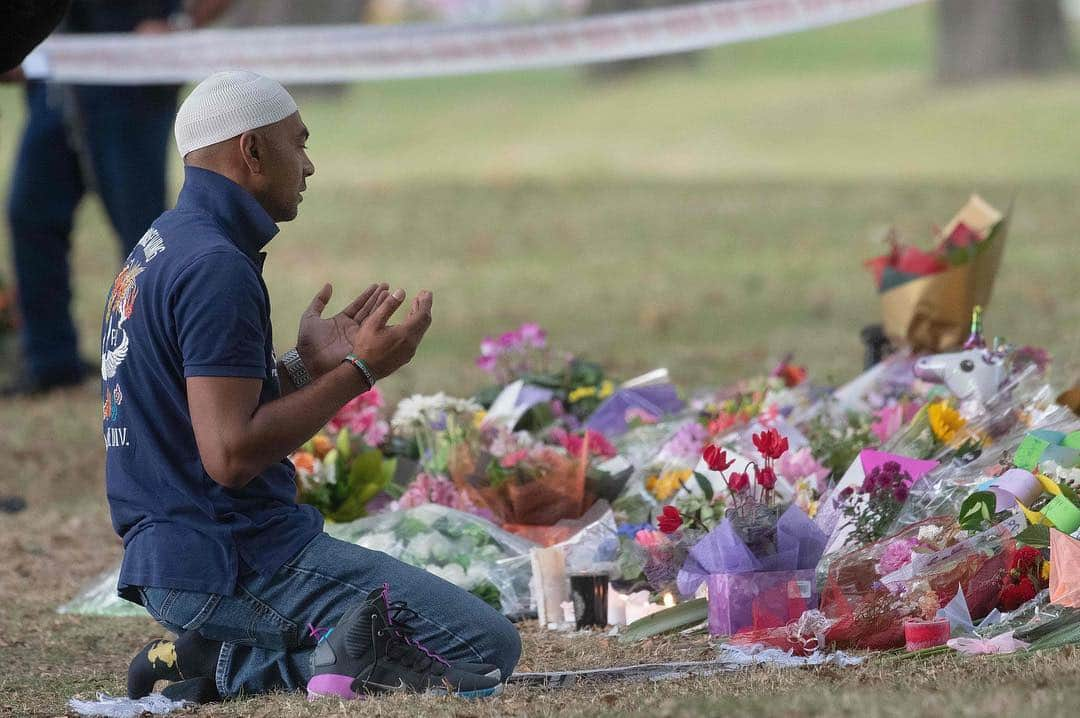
<point>337,53</point>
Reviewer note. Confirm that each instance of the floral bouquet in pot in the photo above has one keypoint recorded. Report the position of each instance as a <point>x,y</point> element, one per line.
<point>758,563</point>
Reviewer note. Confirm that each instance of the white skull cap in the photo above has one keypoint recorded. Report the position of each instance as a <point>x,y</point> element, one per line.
<point>227,104</point>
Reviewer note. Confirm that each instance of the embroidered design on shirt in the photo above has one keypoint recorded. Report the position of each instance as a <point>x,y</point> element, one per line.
<point>115,342</point>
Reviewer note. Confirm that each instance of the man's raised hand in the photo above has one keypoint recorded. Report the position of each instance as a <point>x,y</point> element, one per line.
<point>385,347</point>
<point>323,343</point>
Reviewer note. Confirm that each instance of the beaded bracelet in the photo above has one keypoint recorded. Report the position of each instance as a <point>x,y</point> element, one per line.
<point>362,367</point>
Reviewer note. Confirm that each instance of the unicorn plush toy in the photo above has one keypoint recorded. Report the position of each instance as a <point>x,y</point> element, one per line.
<point>976,373</point>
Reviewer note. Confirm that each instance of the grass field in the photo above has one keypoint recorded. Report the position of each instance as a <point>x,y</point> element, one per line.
<point>708,219</point>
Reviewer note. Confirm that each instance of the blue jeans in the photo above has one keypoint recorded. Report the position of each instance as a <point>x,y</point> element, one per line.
<point>113,140</point>
<point>267,625</point>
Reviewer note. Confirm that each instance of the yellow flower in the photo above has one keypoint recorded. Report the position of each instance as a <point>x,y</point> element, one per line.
<point>812,510</point>
<point>606,389</point>
<point>478,419</point>
<point>582,392</point>
<point>1044,572</point>
<point>945,421</point>
<point>665,486</point>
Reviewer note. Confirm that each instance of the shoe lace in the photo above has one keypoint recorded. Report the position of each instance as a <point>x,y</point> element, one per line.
<point>416,654</point>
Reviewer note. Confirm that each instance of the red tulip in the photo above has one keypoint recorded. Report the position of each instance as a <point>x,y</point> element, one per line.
<point>766,478</point>
<point>670,520</point>
<point>771,444</point>
<point>716,458</point>
<point>738,482</point>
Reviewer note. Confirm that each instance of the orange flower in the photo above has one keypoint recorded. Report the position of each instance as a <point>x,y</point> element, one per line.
<point>321,445</point>
<point>303,461</point>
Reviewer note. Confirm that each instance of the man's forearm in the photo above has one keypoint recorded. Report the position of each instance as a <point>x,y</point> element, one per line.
<point>278,427</point>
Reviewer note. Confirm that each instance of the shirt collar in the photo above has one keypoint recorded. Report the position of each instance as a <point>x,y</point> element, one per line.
<point>244,220</point>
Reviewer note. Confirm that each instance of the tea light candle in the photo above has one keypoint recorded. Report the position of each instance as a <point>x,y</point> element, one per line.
<point>926,634</point>
<point>616,609</point>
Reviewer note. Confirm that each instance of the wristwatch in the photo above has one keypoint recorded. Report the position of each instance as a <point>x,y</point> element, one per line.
<point>295,366</point>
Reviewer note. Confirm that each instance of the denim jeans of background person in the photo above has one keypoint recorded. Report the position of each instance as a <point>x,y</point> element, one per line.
<point>198,415</point>
<point>112,140</point>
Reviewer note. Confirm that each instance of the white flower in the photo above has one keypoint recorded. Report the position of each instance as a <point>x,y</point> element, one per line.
<point>419,410</point>
<point>929,534</point>
<point>381,541</point>
<point>452,573</point>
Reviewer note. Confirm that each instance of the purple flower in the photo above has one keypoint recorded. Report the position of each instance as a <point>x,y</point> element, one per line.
<point>532,334</point>
<point>900,493</point>
<point>509,340</point>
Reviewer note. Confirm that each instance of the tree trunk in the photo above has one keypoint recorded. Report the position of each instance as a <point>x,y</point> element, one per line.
<point>978,39</point>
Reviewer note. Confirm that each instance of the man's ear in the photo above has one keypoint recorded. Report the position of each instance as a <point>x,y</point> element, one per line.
<point>251,147</point>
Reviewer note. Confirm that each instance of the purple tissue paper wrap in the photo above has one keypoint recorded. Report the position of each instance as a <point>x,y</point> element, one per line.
<point>657,399</point>
<point>799,545</point>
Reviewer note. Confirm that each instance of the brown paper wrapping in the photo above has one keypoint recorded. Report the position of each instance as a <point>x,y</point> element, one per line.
<point>528,508</point>
<point>933,313</point>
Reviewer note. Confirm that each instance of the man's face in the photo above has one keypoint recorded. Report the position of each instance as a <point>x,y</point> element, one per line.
<point>285,167</point>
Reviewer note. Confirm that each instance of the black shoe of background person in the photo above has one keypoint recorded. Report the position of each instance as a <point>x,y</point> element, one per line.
<point>28,386</point>
<point>12,504</point>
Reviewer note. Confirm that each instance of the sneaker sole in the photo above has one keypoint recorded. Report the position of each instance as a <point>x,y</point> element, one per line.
<point>469,695</point>
<point>331,685</point>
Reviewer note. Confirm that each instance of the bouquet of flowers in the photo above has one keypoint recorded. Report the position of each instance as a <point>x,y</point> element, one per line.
<point>759,565</point>
<point>927,297</point>
<point>523,354</point>
<point>463,549</point>
<point>869,591</point>
<point>527,485</point>
<point>341,469</point>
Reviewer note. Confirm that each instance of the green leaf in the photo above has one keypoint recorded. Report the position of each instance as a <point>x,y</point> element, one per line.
<point>976,510</point>
<point>705,484</point>
<point>344,444</point>
<point>679,616</point>
<point>1035,536</point>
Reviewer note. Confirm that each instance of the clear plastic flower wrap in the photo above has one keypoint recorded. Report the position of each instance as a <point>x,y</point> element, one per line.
<point>464,549</point>
<point>869,592</point>
<point>944,489</point>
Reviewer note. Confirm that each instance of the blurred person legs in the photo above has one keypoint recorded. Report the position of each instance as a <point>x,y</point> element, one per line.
<point>110,139</point>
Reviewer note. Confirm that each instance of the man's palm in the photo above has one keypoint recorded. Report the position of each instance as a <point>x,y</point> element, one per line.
<point>324,342</point>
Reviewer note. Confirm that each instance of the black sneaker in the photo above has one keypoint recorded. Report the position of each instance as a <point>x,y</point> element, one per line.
<point>367,652</point>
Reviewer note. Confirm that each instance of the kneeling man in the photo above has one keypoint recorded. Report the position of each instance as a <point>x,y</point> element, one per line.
<point>199,415</point>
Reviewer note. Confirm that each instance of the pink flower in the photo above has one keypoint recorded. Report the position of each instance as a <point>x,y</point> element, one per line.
<point>888,421</point>
<point>574,443</point>
<point>489,347</point>
<point>509,340</point>
<point>639,415</point>
<point>361,417</point>
<point>802,465</point>
<point>896,555</point>
<point>513,458</point>
<point>532,334</point>
<point>648,538</point>
<point>487,363</point>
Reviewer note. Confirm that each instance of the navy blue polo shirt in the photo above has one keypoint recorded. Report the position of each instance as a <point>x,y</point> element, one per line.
<point>190,301</point>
